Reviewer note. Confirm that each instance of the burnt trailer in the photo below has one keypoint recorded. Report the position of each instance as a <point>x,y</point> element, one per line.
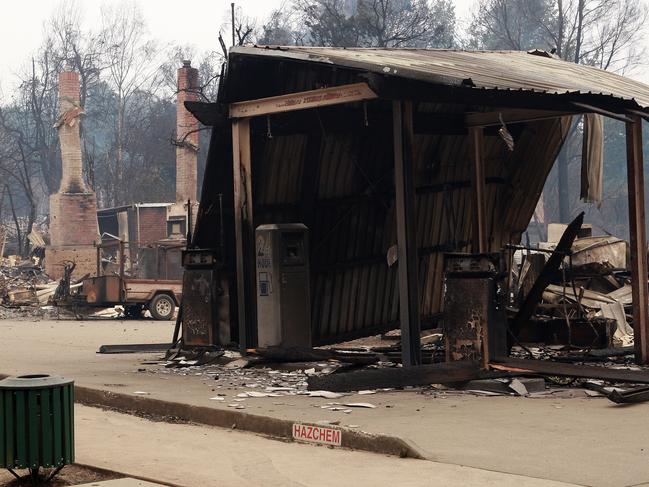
<point>410,152</point>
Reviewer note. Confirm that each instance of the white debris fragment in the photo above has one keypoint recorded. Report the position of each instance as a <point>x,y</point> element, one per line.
<point>478,392</point>
<point>325,394</point>
<point>593,393</point>
<point>237,364</point>
<point>217,398</point>
<point>309,371</point>
<point>263,394</point>
<point>363,393</point>
<point>142,393</point>
<point>518,387</point>
<point>360,405</point>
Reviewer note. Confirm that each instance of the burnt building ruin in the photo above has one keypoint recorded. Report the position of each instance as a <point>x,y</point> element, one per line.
<point>393,158</point>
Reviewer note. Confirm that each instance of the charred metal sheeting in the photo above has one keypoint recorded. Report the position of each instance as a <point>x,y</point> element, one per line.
<point>205,308</point>
<point>620,396</point>
<point>418,375</point>
<point>135,348</point>
<point>592,159</point>
<point>471,307</point>
<point>544,367</point>
<point>479,70</point>
<point>639,394</point>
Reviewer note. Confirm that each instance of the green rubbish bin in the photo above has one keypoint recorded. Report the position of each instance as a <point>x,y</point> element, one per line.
<point>36,422</point>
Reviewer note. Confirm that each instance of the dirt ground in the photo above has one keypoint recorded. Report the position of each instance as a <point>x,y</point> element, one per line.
<point>69,475</point>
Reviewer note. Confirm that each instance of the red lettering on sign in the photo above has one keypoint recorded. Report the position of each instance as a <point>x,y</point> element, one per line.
<point>317,434</point>
<point>335,437</point>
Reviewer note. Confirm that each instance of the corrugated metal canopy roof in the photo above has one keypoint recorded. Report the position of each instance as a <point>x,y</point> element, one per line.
<point>501,70</point>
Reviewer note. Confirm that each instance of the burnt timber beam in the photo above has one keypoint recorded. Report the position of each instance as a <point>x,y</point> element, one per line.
<point>322,97</point>
<point>362,120</point>
<point>546,367</point>
<point>512,116</point>
<point>405,207</point>
<point>243,225</point>
<point>549,270</point>
<point>336,119</point>
<point>442,373</point>
<point>638,240</point>
<point>593,109</point>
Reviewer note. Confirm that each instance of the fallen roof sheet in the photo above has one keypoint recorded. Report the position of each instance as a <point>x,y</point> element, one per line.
<point>534,71</point>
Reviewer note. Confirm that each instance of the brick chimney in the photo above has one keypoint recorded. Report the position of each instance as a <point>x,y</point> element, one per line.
<point>186,152</point>
<point>70,112</point>
<point>73,210</point>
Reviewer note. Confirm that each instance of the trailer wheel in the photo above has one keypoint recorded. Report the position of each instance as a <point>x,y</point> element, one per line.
<point>162,307</point>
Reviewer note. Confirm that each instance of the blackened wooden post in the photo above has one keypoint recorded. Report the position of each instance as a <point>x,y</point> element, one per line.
<point>403,134</point>
<point>637,231</point>
<point>480,242</point>
<point>242,220</point>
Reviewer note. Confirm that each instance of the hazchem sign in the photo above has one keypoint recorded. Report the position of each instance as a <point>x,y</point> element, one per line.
<point>317,434</point>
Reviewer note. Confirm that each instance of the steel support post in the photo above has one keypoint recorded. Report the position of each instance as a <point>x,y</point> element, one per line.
<point>638,240</point>
<point>405,207</point>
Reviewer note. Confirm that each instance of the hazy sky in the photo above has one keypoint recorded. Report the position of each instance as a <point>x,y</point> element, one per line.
<point>22,25</point>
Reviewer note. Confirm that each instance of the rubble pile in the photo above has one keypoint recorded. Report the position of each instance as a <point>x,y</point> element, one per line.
<point>584,302</point>
<point>23,282</point>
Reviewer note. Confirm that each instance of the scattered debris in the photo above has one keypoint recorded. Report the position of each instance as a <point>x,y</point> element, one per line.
<point>325,394</point>
<point>518,387</point>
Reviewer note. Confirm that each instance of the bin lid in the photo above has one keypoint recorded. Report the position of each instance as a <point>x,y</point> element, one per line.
<point>34,381</point>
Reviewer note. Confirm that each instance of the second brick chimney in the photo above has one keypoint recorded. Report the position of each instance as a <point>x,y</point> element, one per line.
<point>186,135</point>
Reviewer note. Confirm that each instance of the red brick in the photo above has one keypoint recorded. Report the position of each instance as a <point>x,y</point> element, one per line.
<point>186,158</point>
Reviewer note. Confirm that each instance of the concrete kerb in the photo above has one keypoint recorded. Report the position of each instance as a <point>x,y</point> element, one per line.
<point>125,475</point>
<point>271,427</point>
<point>275,428</point>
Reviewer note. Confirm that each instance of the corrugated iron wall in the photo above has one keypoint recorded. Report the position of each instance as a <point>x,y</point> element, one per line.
<point>354,292</point>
